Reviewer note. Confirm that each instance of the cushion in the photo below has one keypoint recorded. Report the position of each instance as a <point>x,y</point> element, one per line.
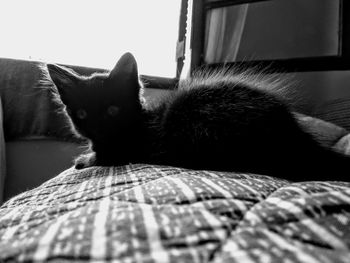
<point>336,111</point>
<point>144,213</point>
<point>326,133</point>
<point>28,108</point>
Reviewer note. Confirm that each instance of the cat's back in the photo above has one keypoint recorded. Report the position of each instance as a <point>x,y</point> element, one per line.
<point>234,124</point>
<point>211,122</point>
<point>221,100</point>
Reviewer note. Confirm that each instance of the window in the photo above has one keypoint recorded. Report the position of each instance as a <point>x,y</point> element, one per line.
<point>295,35</point>
<point>93,33</point>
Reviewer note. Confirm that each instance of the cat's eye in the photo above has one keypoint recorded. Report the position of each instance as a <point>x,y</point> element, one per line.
<point>81,114</point>
<point>112,110</point>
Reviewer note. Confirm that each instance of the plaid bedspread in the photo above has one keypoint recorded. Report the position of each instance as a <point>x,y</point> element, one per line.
<point>143,213</point>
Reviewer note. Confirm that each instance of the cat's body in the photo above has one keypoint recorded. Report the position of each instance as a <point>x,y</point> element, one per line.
<point>213,121</point>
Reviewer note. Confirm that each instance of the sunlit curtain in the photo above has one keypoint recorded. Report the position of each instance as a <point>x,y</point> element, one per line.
<point>224,32</point>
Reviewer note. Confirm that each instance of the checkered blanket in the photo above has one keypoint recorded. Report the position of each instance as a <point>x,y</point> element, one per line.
<point>144,213</point>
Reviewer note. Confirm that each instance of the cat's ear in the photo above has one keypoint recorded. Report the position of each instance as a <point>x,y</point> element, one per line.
<point>63,78</point>
<point>125,74</point>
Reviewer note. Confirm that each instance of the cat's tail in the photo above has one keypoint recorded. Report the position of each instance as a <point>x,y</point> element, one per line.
<point>314,162</point>
<point>317,163</point>
<point>331,165</point>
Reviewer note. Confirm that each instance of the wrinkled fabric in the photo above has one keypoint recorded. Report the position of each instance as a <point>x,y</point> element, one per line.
<point>144,213</point>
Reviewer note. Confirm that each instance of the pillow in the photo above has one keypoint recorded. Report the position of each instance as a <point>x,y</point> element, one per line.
<point>336,111</point>
<point>28,107</point>
<point>343,145</point>
<point>326,133</point>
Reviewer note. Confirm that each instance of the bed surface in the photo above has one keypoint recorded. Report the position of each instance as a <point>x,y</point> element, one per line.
<point>143,213</point>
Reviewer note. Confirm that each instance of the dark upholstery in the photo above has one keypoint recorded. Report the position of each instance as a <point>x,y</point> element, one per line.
<point>28,108</point>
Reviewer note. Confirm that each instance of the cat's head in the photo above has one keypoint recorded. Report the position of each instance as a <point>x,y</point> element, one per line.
<point>104,106</point>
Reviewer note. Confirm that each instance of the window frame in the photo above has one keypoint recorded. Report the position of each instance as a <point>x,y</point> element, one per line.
<point>320,63</point>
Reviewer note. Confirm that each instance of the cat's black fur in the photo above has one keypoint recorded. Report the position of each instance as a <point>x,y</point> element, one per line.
<point>214,121</point>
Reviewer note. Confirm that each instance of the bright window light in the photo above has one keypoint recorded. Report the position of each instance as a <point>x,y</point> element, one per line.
<point>92,33</point>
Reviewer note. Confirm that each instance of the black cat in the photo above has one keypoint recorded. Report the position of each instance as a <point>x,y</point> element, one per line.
<point>214,121</point>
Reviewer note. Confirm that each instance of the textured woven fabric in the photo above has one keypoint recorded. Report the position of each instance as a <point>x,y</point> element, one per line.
<point>143,213</point>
